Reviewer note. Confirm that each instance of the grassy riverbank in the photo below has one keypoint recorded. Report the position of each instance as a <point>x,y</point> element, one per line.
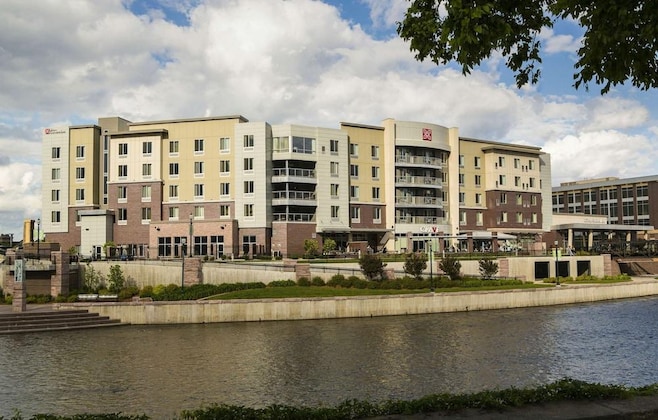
<point>562,390</point>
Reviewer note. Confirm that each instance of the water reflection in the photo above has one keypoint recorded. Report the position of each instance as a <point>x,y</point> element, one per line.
<point>160,370</point>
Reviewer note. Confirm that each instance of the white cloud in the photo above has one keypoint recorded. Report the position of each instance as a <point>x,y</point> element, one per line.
<point>298,61</point>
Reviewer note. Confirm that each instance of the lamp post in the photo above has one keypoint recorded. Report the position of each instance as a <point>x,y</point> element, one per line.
<point>182,273</point>
<point>431,265</point>
<point>557,265</point>
<point>38,237</point>
<point>191,243</point>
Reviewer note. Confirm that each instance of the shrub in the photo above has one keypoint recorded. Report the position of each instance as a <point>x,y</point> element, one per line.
<point>147,291</point>
<point>303,281</point>
<point>336,280</point>
<point>317,281</point>
<point>488,268</point>
<point>329,245</point>
<point>92,279</point>
<point>451,266</point>
<point>128,292</point>
<point>372,267</point>
<point>311,248</point>
<point>414,264</point>
<point>358,283</point>
<point>282,283</point>
<point>116,279</point>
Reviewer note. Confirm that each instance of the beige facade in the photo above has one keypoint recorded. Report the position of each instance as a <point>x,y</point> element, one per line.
<point>228,187</point>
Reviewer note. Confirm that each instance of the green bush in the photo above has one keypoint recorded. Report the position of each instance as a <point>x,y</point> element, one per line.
<point>336,280</point>
<point>451,266</point>
<point>372,267</point>
<point>282,283</point>
<point>358,283</point>
<point>317,281</point>
<point>414,264</point>
<point>303,281</point>
<point>128,292</point>
<point>488,268</point>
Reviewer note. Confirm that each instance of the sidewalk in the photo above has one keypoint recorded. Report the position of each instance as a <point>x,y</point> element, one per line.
<point>634,408</point>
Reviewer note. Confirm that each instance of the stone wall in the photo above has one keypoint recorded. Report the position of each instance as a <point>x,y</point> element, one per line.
<point>362,306</point>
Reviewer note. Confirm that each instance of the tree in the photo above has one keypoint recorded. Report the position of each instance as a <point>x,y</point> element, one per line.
<point>372,267</point>
<point>618,43</point>
<point>93,280</point>
<point>451,266</point>
<point>329,245</point>
<point>311,248</point>
<point>488,268</point>
<point>414,264</point>
<point>116,279</point>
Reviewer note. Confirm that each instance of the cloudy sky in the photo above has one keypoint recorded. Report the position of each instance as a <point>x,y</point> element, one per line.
<point>65,62</point>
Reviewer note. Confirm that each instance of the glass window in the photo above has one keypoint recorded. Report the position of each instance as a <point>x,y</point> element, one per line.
<point>173,191</point>
<point>173,147</point>
<point>79,152</point>
<point>146,214</point>
<point>248,164</point>
<point>173,169</point>
<point>334,168</point>
<point>147,147</point>
<point>80,174</point>
<point>122,192</point>
<point>354,171</point>
<point>374,152</point>
<point>198,146</point>
<point>198,168</point>
<point>146,192</point>
<point>333,146</point>
<point>198,190</point>
<point>123,171</point>
<point>173,213</point>
<point>123,149</point>
<point>224,145</point>
<point>334,190</point>
<point>56,151</point>
<point>248,210</point>
<point>224,167</point>
<point>248,187</point>
<point>248,141</point>
<point>375,193</point>
<point>354,150</point>
<point>146,169</point>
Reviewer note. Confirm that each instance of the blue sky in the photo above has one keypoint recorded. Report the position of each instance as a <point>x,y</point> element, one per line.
<point>287,61</point>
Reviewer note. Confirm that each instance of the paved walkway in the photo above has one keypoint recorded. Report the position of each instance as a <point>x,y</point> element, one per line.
<point>634,408</point>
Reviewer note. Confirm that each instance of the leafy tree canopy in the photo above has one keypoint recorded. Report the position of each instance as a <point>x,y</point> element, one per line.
<point>619,43</point>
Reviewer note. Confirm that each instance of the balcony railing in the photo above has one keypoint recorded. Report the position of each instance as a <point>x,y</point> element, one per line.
<point>419,160</point>
<point>419,180</point>
<point>302,173</point>
<point>293,195</point>
<point>420,220</point>
<point>419,201</point>
<point>293,217</point>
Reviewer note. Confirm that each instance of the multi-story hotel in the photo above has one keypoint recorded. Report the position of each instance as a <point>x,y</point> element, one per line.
<point>227,186</point>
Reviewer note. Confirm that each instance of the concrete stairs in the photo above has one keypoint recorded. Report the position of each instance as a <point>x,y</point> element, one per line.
<point>39,321</point>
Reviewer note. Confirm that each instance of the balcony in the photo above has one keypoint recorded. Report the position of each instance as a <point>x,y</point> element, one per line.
<point>302,198</point>
<point>294,175</point>
<point>416,201</point>
<point>420,220</point>
<point>418,181</point>
<point>293,217</point>
<point>424,161</point>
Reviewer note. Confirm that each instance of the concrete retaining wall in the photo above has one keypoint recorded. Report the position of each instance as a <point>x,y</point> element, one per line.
<point>349,307</point>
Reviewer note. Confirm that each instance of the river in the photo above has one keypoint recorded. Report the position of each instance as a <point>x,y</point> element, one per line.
<point>161,370</point>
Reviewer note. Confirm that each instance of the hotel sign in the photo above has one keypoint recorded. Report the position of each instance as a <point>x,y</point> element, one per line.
<point>427,134</point>
<point>49,131</point>
<point>429,229</point>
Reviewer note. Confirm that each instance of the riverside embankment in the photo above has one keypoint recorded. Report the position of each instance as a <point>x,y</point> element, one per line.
<point>214,311</point>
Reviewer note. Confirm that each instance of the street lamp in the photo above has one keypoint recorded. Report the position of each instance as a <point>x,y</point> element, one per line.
<point>38,237</point>
<point>191,237</point>
<point>182,273</point>
<point>431,264</point>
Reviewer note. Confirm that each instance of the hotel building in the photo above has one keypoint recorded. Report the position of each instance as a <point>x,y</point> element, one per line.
<point>225,186</point>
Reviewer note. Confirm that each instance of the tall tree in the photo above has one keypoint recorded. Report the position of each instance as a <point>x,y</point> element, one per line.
<point>619,43</point>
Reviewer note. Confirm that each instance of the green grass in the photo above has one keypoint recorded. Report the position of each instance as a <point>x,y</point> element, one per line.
<point>325,291</point>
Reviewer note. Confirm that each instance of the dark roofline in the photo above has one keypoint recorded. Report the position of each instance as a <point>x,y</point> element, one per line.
<point>357,125</point>
<point>184,120</point>
<point>596,183</point>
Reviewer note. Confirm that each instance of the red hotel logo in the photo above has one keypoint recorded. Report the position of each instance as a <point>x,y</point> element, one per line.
<point>53,131</point>
<point>427,134</point>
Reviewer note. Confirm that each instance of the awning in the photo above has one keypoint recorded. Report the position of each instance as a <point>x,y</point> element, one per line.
<point>485,234</point>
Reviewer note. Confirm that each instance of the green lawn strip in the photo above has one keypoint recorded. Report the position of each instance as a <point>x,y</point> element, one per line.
<point>324,291</point>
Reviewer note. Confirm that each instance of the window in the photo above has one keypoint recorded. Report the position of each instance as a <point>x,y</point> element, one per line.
<point>519,217</point>
<point>224,188</point>
<point>54,196</point>
<point>642,191</point>
<point>354,192</point>
<point>224,145</point>
<point>55,174</point>
<point>173,191</point>
<point>533,200</point>
<point>173,147</point>
<point>462,198</point>
<point>79,174</point>
<point>532,183</point>
<point>462,218</point>
<point>502,179</point>
<point>123,149</point>
<point>354,150</point>
<point>531,164</point>
<point>503,217</point>
<point>333,147</point>
<point>146,214</point>
<point>626,192</point>
<point>248,164</point>
<point>56,151</point>
<point>503,198</point>
<point>375,172</point>
<point>356,214</point>
<point>479,218</point>
<point>628,208</point>
<point>146,193</point>
<point>462,179</point>
<point>248,141</point>
<point>147,148</point>
<point>198,190</point>
<point>80,194</point>
<point>517,163</point>
<point>198,169</point>
<point>224,211</point>
<point>461,161</point>
<point>281,144</point>
<point>173,213</point>
<point>199,212</point>
<point>478,198</point>
<point>173,170</point>
<point>122,193</point>
<point>477,161</point>
<point>303,145</point>
<point>248,210</point>
<point>374,152</point>
<point>335,211</point>
<point>375,193</point>
<point>198,146</point>
<point>249,244</point>
<point>501,161</point>
<point>146,169</point>
<point>56,216</point>
<point>377,215</point>
<point>517,181</point>
<point>249,187</point>
<point>79,152</point>
<point>334,168</point>
<point>334,190</point>
<point>519,199</point>
<point>123,171</point>
<point>534,215</point>
<point>478,180</point>
<point>354,171</point>
<point>224,167</point>
<point>123,214</point>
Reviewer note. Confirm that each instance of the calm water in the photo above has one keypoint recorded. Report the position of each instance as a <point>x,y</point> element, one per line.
<point>160,370</point>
